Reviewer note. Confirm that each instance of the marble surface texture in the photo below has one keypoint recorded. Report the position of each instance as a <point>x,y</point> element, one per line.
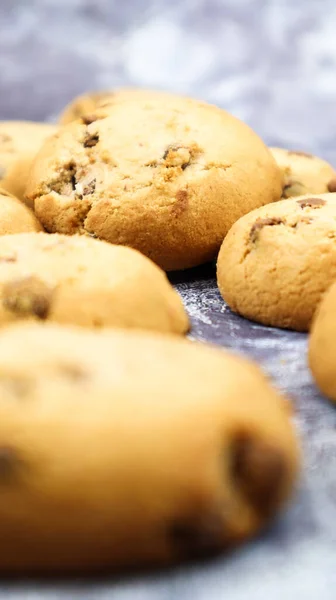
<point>273,64</point>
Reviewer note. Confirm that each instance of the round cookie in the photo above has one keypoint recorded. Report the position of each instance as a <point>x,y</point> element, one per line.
<point>276,262</point>
<point>19,143</point>
<point>87,104</point>
<point>15,217</point>
<point>125,449</point>
<point>304,173</point>
<point>165,177</point>
<point>322,344</point>
<point>86,282</point>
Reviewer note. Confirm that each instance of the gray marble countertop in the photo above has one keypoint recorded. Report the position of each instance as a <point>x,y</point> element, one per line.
<point>272,63</point>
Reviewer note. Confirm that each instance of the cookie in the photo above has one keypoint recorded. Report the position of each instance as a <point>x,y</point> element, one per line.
<point>165,177</point>
<point>15,217</point>
<point>86,282</point>
<point>322,344</point>
<point>125,449</point>
<point>277,261</point>
<point>86,104</point>
<point>304,173</point>
<point>19,143</point>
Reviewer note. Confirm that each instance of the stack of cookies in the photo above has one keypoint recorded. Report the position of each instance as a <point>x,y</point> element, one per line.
<point>121,443</point>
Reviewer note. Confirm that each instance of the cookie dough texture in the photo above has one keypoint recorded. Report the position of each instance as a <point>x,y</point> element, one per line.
<point>86,282</point>
<point>322,344</point>
<point>167,178</point>
<point>87,104</point>
<point>304,173</point>
<point>19,143</point>
<point>126,449</point>
<point>15,217</point>
<point>276,263</point>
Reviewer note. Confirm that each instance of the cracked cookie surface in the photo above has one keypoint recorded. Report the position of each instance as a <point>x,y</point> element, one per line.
<point>115,436</point>
<point>16,217</point>
<point>85,282</point>
<point>304,173</point>
<point>165,177</point>
<point>276,262</point>
<point>19,143</point>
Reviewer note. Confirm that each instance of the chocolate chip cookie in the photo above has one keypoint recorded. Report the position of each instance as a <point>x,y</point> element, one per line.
<point>16,217</point>
<point>125,449</point>
<point>276,262</point>
<point>322,344</point>
<point>19,144</point>
<point>86,282</point>
<point>165,177</point>
<point>304,173</point>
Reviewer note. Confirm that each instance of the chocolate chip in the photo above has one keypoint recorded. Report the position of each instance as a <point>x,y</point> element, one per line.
<point>259,470</point>
<point>26,297</point>
<point>200,538</point>
<point>91,140</point>
<point>65,183</point>
<point>332,185</point>
<point>89,188</point>
<point>300,153</point>
<point>311,202</point>
<point>10,464</point>
<point>261,223</point>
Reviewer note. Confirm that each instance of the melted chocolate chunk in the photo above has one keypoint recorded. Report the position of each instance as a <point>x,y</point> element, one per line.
<point>311,202</point>
<point>261,223</point>
<point>91,140</point>
<point>28,296</point>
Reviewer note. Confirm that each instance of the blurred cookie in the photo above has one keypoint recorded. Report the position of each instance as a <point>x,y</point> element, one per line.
<point>304,173</point>
<point>125,449</point>
<point>16,217</point>
<point>168,178</point>
<point>322,344</point>
<point>276,262</point>
<point>19,144</point>
<point>86,282</point>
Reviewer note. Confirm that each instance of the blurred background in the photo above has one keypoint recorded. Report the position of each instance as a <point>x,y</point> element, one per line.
<point>270,62</point>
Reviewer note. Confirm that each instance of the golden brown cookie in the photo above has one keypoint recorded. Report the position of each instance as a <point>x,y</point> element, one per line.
<point>19,144</point>
<point>304,173</point>
<point>84,281</point>
<point>125,449</point>
<point>322,344</point>
<point>87,104</point>
<point>167,178</point>
<point>276,262</point>
<point>15,217</point>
